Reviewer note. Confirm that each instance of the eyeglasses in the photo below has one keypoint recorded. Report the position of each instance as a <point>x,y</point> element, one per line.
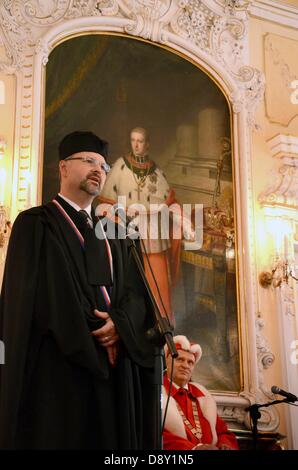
<point>92,162</point>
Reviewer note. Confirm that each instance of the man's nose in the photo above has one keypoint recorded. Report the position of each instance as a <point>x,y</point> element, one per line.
<point>97,171</point>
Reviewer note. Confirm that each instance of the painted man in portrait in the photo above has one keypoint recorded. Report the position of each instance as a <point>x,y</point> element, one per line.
<point>142,182</point>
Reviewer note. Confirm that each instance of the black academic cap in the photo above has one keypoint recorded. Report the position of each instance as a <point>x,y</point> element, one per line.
<point>82,141</point>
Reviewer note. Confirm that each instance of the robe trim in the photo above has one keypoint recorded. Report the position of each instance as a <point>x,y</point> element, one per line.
<point>80,237</point>
<point>170,199</point>
<point>138,168</point>
<point>71,222</point>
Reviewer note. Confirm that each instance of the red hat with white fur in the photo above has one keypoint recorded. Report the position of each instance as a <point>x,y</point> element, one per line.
<point>181,342</point>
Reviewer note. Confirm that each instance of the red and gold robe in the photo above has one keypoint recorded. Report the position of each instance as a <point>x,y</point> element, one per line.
<point>177,435</point>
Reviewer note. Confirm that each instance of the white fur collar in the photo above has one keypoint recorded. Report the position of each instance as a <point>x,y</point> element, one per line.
<point>174,422</point>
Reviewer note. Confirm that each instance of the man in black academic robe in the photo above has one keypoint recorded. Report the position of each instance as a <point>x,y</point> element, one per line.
<point>77,374</point>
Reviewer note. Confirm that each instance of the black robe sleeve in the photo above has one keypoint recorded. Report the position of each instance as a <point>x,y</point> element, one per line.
<point>16,311</point>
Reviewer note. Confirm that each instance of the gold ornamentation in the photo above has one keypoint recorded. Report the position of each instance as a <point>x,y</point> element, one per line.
<point>140,180</point>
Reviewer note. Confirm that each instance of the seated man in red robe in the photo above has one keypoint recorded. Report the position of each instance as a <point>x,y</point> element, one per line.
<point>192,422</point>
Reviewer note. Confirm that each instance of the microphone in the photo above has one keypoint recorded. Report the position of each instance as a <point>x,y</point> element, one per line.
<point>283,393</point>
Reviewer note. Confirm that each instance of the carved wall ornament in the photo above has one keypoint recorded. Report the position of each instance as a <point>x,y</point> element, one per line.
<point>284,188</point>
<point>288,300</point>
<point>79,8</point>
<point>280,63</point>
<point>266,357</point>
<point>269,420</point>
<point>218,32</point>
<point>233,414</point>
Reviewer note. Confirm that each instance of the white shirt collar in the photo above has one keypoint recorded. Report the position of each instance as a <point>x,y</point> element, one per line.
<point>177,386</point>
<point>75,206</point>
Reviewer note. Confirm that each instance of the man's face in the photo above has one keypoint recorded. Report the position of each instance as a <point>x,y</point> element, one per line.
<point>139,145</point>
<point>83,171</point>
<point>183,367</point>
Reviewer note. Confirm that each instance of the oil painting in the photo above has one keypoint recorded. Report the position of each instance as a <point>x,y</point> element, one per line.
<point>115,84</point>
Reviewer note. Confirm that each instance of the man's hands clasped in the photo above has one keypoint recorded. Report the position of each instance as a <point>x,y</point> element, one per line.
<point>107,336</point>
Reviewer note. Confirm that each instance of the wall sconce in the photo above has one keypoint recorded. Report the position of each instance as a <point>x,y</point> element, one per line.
<point>280,228</point>
<point>280,205</point>
<point>283,272</point>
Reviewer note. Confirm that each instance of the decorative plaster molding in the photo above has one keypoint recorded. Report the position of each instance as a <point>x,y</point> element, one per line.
<point>232,414</point>
<point>287,326</point>
<point>269,420</point>
<point>284,145</point>
<point>274,11</point>
<point>265,356</point>
<point>287,296</point>
<point>232,409</point>
<point>284,190</point>
<point>217,29</point>
<point>224,38</point>
<point>43,48</point>
<point>280,63</point>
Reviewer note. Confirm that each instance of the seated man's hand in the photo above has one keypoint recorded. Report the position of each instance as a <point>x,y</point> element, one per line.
<point>225,447</point>
<point>205,447</point>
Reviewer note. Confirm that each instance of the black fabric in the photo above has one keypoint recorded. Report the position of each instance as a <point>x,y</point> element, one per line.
<point>82,141</point>
<point>57,389</point>
<point>96,255</point>
<point>86,218</point>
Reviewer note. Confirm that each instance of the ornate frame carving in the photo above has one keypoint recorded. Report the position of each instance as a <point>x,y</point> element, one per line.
<point>213,34</point>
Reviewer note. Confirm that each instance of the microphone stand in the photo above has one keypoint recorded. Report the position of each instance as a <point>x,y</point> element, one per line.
<point>159,335</point>
<point>255,416</point>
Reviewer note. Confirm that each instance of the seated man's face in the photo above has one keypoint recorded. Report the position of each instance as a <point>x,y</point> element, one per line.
<point>183,367</point>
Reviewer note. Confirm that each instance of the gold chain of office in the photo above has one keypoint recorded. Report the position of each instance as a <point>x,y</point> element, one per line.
<point>197,430</point>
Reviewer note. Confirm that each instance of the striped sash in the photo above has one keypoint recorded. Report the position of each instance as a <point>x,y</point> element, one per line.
<point>80,237</point>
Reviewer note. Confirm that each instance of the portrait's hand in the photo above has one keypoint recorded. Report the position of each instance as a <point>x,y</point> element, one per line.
<point>189,233</point>
<point>205,447</point>
<point>106,335</point>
